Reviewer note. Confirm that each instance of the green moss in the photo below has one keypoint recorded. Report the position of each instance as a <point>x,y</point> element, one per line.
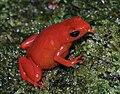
<point>100,72</point>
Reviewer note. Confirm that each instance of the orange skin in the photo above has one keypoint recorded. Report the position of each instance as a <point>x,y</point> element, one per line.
<point>49,48</point>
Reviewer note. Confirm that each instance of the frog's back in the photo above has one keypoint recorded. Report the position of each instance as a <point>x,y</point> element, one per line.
<point>44,48</point>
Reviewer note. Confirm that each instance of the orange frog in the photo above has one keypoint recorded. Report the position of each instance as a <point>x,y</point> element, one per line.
<point>49,48</point>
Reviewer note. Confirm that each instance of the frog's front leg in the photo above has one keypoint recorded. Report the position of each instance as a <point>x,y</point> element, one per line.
<point>27,43</point>
<point>58,57</point>
<point>30,72</point>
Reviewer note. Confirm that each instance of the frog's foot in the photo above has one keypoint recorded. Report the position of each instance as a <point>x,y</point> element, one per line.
<point>72,56</point>
<point>79,57</point>
<point>76,60</point>
<point>68,63</point>
<point>30,72</point>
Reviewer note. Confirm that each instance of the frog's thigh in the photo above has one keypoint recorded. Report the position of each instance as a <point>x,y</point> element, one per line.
<point>28,70</point>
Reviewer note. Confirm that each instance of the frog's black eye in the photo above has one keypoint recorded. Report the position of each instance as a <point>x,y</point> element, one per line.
<point>75,34</point>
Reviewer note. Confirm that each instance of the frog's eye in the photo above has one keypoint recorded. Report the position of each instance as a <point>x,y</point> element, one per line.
<point>75,33</point>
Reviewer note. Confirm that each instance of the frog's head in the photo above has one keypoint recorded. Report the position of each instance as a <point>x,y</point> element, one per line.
<point>76,28</point>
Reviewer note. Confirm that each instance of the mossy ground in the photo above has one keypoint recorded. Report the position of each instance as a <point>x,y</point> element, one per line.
<point>100,72</point>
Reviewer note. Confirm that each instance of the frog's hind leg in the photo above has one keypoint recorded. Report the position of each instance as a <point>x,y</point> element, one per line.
<point>30,72</point>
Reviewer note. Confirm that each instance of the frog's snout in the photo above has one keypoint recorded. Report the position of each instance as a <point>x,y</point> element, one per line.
<point>91,31</point>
